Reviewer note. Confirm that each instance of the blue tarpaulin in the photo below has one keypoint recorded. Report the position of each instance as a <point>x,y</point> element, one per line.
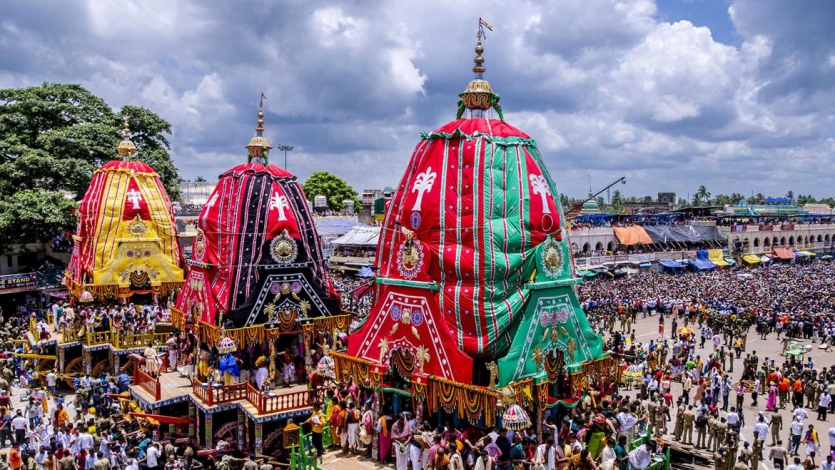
<point>645,265</point>
<point>702,264</point>
<point>800,254</point>
<point>671,264</point>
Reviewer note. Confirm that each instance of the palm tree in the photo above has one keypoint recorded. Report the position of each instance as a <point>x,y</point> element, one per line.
<point>617,198</point>
<point>790,195</point>
<point>703,194</point>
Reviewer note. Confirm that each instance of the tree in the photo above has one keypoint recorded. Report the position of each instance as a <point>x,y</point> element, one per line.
<point>334,188</point>
<point>52,139</point>
<point>200,179</point>
<point>703,194</point>
<point>617,199</point>
<point>790,195</point>
<point>682,203</point>
<point>34,215</point>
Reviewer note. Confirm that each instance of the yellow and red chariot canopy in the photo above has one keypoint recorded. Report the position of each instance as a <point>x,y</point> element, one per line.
<point>126,239</point>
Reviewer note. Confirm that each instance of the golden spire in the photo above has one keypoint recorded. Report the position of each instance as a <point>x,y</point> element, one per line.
<point>478,97</point>
<point>126,148</point>
<point>478,69</point>
<point>259,147</point>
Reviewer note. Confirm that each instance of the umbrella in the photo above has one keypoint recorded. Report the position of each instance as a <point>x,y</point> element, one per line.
<point>516,418</point>
<point>686,331</point>
<point>325,367</point>
<point>226,346</point>
<point>633,371</point>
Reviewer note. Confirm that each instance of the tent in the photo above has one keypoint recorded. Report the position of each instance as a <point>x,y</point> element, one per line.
<point>672,264</point>
<point>702,264</point>
<point>366,271</point>
<point>783,252</point>
<point>634,235</point>
<point>751,258</point>
<point>800,254</point>
<point>717,257</point>
<point>808,253</point>
<point>730,261</point>
<point>683,233</point>
<point>360,235</point>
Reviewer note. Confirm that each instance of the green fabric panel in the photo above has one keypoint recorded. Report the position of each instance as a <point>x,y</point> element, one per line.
<point>553,320</point>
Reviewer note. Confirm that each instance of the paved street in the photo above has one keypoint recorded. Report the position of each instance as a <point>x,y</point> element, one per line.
<point>647,329</point>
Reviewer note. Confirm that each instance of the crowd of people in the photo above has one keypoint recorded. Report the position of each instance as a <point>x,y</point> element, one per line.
<point>784,302</point>
<point>89,318</point>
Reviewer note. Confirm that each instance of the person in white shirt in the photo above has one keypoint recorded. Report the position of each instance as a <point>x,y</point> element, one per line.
<point>800,412</point>
<point>796,465</point>
<point>796,432</point>
<point>40,457</point>
<point>761,429</point>
<point>640,457</point>
<point>732,418</point>
<point>831,433</point>
<point>609,453</point>
<point>85,440</point>
<point>152,456</point>
<point>546,455</point>
<point>132,465</point>
<point>828,464</point>
<point>823,406</point>
<point>19,427</point>
<point>91,460</point>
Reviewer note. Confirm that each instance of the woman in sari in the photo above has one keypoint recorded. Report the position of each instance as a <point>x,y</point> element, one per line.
<point>385,437</point>
<point>401,434</point>
<point>771,404</point>
<point>366,425</point>
<point>597,427</point>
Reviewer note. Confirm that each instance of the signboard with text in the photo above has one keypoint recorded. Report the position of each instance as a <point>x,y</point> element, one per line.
<point>18,283</point>
<point>787,227</point>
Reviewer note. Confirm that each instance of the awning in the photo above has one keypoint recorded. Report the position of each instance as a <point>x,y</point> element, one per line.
<point>826,257</point>
<point>645,265</point>
<point>683,233</point>
<point>716,257</point>
<point>800,254</point>
<point>730,261</point>
<point>586,273</point>
<point>702,264</point>
<point>751,259</point>
<point>634,235</point>
<point>808,253</point>
<point>671,264</point>
<point>765,259</point>
<point>783,252</point>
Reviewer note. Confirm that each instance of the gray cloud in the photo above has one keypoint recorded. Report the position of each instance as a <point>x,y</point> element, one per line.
<point>607,88</point>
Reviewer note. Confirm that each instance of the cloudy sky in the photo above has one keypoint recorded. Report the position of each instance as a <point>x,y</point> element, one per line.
<point>738,95</point>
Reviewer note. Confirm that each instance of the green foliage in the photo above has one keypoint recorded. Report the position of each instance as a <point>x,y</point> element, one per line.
<point>52,139</point>
<point>33,215</point>
<point>323,183</point>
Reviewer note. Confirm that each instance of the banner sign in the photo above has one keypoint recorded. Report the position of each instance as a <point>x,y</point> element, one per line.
<point>766,227</point>
<point>18,283</point>
<point>739,228</point>
<point>787,227</point>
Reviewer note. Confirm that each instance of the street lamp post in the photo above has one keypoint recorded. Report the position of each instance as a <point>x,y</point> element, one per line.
<point>285,148</point>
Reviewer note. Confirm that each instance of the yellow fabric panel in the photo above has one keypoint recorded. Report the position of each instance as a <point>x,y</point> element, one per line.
<point>752,259</point>
<point>110,215</point>
<point>716,257</point>
<point>159,214</point>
